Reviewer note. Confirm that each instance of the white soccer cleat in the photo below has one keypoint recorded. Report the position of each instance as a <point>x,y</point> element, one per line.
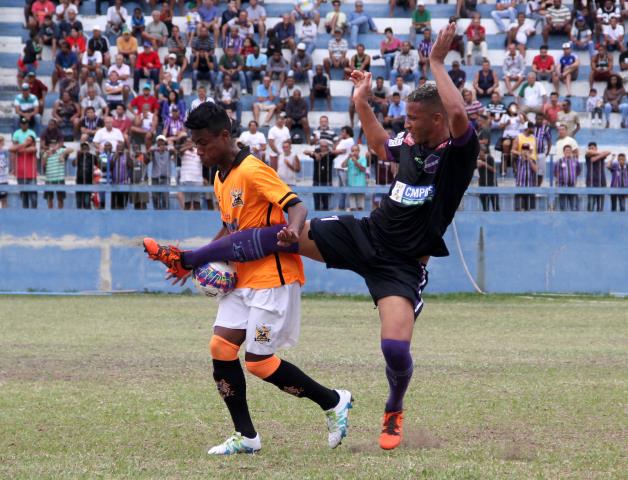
<point>237,443</point>
<point>338,419</point>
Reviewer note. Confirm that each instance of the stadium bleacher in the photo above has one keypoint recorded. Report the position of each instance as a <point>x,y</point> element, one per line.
<point>13,35</point>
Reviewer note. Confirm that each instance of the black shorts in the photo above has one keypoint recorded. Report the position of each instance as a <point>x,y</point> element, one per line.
<point>346,243</point>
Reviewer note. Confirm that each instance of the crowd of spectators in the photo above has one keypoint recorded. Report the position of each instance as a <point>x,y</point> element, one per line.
<point>126,107</point>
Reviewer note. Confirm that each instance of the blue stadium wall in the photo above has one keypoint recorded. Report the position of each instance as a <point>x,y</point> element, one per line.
<point>65,251</point>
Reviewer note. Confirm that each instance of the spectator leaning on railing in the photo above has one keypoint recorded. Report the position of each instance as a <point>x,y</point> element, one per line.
<point>619,179</point>
<point>595,175</point>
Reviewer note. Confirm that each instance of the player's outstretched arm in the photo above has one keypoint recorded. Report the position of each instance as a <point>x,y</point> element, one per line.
<point>449,94</point>
<point>296,220</point>
<point>376,135</point>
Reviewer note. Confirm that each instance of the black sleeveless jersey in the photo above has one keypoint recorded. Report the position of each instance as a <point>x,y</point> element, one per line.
<point>425,194</point>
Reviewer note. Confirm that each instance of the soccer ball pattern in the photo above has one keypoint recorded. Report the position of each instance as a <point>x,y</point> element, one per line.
<point>214,279</point>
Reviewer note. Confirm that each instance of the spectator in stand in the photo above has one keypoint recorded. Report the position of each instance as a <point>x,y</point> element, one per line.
<point>147,66</point>
<point>156,31</point>
<point>145,98</point>
<point>485,81</point>
<point>117,17</point>
<point>614,35</point>
<point>396,114</point>
<point>388,49</point>
<point>619,179</point>
<point>307,35</point>
<point>285,93</point>
<point>227,95</point>
<point>255,67</point>
<point>108,134</point>
<point>296,111</point>
<point>601,66</point>
<point>48,34</point>
<point>406,65</point>
<point>277,67</point>
<point>276,136</point>
<point>257,15</point>
<point>424,48</point>
<point>606,10</point>
<point>457,75</point>
<point>525,177</point>
<point>121,121</point>
<point>191,174</point>
<point>266,100</point>
<point>161,157</point>
<point>66,63</point>
<point>466,8</point>
<point>535,10</point>
<point>90,123</point>
<point>204,68</point>
<point>77,41</point>
<point>66,26</point>
<point>100,43</point>
<point>421,19</point>
<point>320,87</point>
<point>581,36</point>
<point>85,163</point>
<point>338,48</point>
<point>236,30</point>
<point>495,110</point>
<point>476,38</point>
<point>95,101</point>
<point>231,64</point>
<point>526,137</point>
<point>487,178</point>
<point>301,64</point>
<point>615,100</point>
<point>532,95</point>
<point>144,126</point>
<point>53,162</point>
<point>504,9</point>
<point>67,113</point>
<point>168,105</point>
<point>558,20</point>
<point>335,18</point>
<point>401,87</point>
<point>177,46</point>
<point>26,106</point>
<point>568,70</point>
<point>342,150</point>
<point>595,175</point>
<point>473,107</point>
<point>512,123</point>
<point>360,61</point>
<point>565,139</point>
<point>174,129</point>
<point>37,88</point>
<point>285,32</point>
<point>543,136</point>
<point>323,160</point>
<point>166,16</point>
<point>210,19</point>
<point>92,65</point>
<point>544,66</point>
<point>255,140</point>
<point>323,131</point>
<point>594,106</point>
<point>201,98</point>
<point>123,72</point>
<point>288,164</point>
<point>513,69</point>
<point>51,132</point>
<point>569,118</point>
<point>566,171</point>
<point>551,109</point>
<point>519,32</point>
<point>138,23</point>
<point>138,176</point>
<point>126,45</point>
<point>171,69</point>
<point>38,12</point>
<point>24,148</point>
<point>356,166</point>
<point>306,8</point>
<point>360,22</point>
<point>115,90</point>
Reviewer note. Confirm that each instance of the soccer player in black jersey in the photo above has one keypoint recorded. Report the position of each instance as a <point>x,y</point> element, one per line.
<point>437,154</point>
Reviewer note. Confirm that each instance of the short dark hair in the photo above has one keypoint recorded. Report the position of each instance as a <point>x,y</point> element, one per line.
<point>427,94</point>
<point>208,116</point>
<point>592,144</point>
<point>387,29</point>
<point>544,47</point>
<point>348,130</point>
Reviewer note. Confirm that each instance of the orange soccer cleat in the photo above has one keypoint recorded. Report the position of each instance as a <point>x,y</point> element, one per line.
<point>392,431</point>
<point>169,255</point>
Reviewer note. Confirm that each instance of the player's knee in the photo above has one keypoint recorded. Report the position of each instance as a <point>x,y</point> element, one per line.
<point>222,349</point>
<point>396,353</point>
<point>264,368</point>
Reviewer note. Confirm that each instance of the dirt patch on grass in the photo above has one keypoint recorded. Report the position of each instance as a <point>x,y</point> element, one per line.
<point>420,439</point>
<point>516,451</point>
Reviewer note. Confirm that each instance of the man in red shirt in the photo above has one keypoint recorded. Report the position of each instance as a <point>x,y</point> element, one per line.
<point>24,150</point>
<point>544,65</point>
<point>146,66</point>
<point>476,38</point>
<point>121,121</point>
<point>39,10</point>
<point>139,101</point>
<point>551,109</point>
<point>37,88</point>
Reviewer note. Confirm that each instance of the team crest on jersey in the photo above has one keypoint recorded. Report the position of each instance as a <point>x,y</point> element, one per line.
<point>262,333</point>
<point>431,163</point>
<point>236,198</point>
<point>411,194</point>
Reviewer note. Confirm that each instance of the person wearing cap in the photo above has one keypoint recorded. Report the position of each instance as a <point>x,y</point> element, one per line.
<point>614,35</point>
<point>146,66</point>
<point>92,65</point>
<point>457,75</point>
<point>567,68</point>
<point>53,161</point>
<point>360,22</point>
<point>335,18</point>
<point>421,19</point>
<point>117,17</point>
<point>171,68</point>
<point>100,43</point>
<point>308,31</point>
<point>24,148</point>
<point>156,31</point>
<point>301,64</point>
<point>127,46</point>
<point>285,32</point>
<point>504,9</point>
<point>65,60</point>
<point>26,106</point>
<point>145,98</point>
<point>558,20</point>
<point>338,48</point>
<point>581,36</point>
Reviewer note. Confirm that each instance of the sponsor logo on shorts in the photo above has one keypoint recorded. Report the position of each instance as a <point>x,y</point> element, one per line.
<point>236,198</point>
<point>412,194</point>
<point>262,334</point>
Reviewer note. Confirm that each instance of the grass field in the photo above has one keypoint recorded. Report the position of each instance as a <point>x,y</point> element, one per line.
<point>504,387</point>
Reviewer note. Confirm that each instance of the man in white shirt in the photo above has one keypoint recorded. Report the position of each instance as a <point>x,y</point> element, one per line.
<point>532,95</point>
<point>288,165</point>
<point>564,139</point>
<point>91,64</point>
<point>108,134</point>
<point>117,17</point>
<point>255,140</point>
<point>342,152</point>
<point>401,88</point>
<point>513,69</point>
<point>276,136</point>
<point>202,98</point>
<point>614,35</point>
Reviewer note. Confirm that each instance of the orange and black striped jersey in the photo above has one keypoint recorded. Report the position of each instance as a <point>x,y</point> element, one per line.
<point>252,195</point>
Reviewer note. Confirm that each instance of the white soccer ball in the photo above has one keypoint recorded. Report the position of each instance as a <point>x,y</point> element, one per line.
<point>214,279</point>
